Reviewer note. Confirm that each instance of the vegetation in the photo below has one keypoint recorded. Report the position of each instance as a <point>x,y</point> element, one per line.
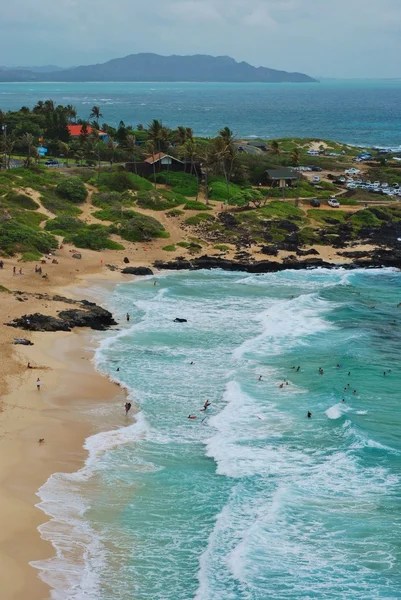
<point>180,182</point>
<point>18,238</point>
<point>18,200</point>
<point>120,181</point>
<point>72,189</point>
<point>194,205</point>
<point>159,199</point>
<point>198,219</point>
<point>141,228</point>
<point>170,248</point>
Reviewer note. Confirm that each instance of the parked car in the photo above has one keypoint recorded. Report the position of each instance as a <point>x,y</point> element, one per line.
<point>315,179</point>
<point>315,203</point>
<point>316,169</point>
<point>52,163</point>
<point>352,171</point>
<point>334,203</point>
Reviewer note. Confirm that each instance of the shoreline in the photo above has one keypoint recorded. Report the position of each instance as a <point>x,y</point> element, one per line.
<point>61,414</point>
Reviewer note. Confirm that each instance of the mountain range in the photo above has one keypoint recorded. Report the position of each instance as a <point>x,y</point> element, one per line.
<point>153,67</point>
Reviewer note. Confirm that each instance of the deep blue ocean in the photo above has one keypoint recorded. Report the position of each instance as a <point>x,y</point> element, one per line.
<point>251,500</point>
<point>355,112</point>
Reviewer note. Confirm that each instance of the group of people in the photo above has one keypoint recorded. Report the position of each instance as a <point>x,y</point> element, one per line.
<point>205,407</point>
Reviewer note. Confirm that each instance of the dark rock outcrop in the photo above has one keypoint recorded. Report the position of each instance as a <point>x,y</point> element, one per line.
<point>137,271</point>
<point>269,250</point>
<point>94,317</point>
<point>263,266</point>
<point>126,260</point>
<point>307,252</point>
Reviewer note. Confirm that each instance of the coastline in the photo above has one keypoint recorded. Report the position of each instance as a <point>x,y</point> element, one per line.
<point>60,413</point>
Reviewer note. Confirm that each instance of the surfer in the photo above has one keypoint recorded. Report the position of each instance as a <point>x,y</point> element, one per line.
<point>192,417</point>
<point>192,362</point>
<point>298,368</point>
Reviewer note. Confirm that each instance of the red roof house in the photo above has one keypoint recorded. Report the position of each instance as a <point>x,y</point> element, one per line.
<point>76,130</point>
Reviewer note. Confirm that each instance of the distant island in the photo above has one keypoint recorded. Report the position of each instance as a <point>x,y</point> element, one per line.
<point>153,67</point>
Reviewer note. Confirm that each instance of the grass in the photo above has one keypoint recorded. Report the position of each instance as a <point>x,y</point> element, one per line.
<point>221,247</point>
<point>281,209</point>
<point>183,244</point>
<point>326,216</point>
<point>31,257</point>
<point>159,200</point>
<point>23,201</point>
<point>170,248</point>
<point>181,183</point>
<point>59,206</point>
<point>176,212</point>
<point>120,181</point>
<point>218,189</point>
<point>194,205</point>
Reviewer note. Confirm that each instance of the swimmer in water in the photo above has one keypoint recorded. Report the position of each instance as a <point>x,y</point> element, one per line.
<point>343,400</point>
<point>309,414</point>
<point>321,371</point>
<point>354,392</point>
<point>349,373</point>
<point>260,378</point>
<point>192,362</point>
<point>298,368</point>
<point>281,386</point>
<point>192,417</point>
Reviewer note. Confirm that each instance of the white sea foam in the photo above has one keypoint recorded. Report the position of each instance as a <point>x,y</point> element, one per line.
<point>334,412</point>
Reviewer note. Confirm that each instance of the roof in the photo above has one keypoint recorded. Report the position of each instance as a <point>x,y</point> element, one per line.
<point>282,174</point>
<point>76,130</point>
<point>158,156</point>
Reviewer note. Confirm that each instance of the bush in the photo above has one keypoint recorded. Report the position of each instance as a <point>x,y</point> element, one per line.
<point>64,224</point>
<point>159,200</point>
<point>58,206</point>
<point>182,183</point>
<point>183,244</point>
<point>72,189</point>
<point>21,201</point>
<point>194,205</point>
<point>198,219</point>
<point>175,212</point>
<point>218,189</point>
<point>170,248</point>
<point>31,257</point>
<point>106,199</point>
<point>365,218</point>
<point>221,247</point>
<point>32,219</point>
<point>16,237</point>
<point>141,228</point>
<point>281,209</point>
<point>120,181</point>
<point>93,237</point>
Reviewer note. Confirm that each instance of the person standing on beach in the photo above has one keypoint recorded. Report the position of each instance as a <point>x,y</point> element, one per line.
<point>127,407</point>
<point>38,384</point>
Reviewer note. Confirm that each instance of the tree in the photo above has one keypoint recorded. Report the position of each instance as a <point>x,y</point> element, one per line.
<point>31,151</point>
<point>111,148</point>
<point>226,154</point>
<point>158,135</point>
<point>71,112</point>
<point>151,149</point>
<point>130,144</point>
<point>96,114</point>
<point>65,149</point>
<point>295,162</point>
<point>274,147</point>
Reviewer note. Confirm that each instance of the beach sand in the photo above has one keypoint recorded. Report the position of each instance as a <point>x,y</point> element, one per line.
<point>57,412</point>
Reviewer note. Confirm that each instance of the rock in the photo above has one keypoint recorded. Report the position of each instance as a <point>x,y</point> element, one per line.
<point>112,267</point>
<point>306,252</point>
<point>177,320</point>
<point>95,317</point>
<point>263,266</point>
<point>269,250</point>
<point>137,271</point>
<point>355,253</point>
<point>77,255</point>
<point>126,260</point>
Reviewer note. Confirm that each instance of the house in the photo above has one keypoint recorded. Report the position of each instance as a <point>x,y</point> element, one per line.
<point>75,131</point>
<point>163,162</point>
<point>281,177</point>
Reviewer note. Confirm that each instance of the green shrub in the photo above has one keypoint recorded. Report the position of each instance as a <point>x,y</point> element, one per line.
<point>120,181</point>
<point>183,244</point>
<point>221,247</point>
<point>159,199</point>
<point>109,214</point>
<point>176,212</point>
<point>218,189</point>
<point>365,218</point>
<point>170,248</point>
<point>182,183</point>
<point>85,174</point>
<point>21,201</point>
<point>64,224</point>
<point>31,257</point>
<point>106,199</point>
<point>32,219</point>
<point>198,219</point>
<point>326,216</point>
<point>141,228</point>
<point>93,237</point>
<point>72,189</point>
<point>347,201</point>
<point>59,206</point>
<point>281,209</point>
<point>194,205</point>
<point>16,237</point>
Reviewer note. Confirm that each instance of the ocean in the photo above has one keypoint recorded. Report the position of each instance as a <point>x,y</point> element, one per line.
<point>251,500</point>
<point>355,112</point>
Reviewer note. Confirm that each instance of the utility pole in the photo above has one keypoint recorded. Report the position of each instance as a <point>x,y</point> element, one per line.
<point>4,128</point>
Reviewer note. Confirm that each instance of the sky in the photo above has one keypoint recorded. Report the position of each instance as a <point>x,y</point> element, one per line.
<point>329,38</point>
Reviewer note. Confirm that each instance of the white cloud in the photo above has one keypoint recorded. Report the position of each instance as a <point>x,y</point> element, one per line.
<point>328,37</point>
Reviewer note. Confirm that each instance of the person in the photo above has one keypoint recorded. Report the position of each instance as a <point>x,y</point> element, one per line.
<point>38,383</point>
<point>309,414</point>
<point>14,270</point>
<point>155,283</point>
<point>127,407</point>
<point>260,378</point>
<point>321,371</point>
<point>355,392</point>
<point>20,271</point>
<point>345,389</point>
<point>1,264</point>
<point>29,366</point>
<point>338,367</point>
<point>192,417</point>
<point>349,373</point>
<point>343,400</point>
<point>118,368</point>
<point>384,373</point>
<point>192,362</point>
<point>41,440</point>
<point>281,386</point>
<point>298,368</point>
<point>128,316</point>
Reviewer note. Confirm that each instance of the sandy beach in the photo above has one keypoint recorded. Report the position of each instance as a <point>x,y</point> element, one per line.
<point>56,412</point>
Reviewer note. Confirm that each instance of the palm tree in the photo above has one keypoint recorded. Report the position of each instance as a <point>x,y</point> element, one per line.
<point>96,114</point>
<point>181,135</point>
<point>27,140</point>
<point>158,135</point>
<point>226,155</point>
<point>274,146</point>
<point>111,147</point>
<point>130,144</point>
<point>295,162</point>
<point>65,149</point>
<point>151,149</point>
<point>71,112</point>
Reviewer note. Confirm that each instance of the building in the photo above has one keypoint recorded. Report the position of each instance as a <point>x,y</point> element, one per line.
<point>163,162</point>
<point>281,177</point>
<point>75,131</point>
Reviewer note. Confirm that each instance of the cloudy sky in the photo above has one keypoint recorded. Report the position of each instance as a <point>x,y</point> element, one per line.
<point>332,38</point>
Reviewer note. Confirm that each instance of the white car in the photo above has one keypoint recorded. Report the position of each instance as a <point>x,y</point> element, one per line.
<point>384,185</point>
<point>316,179</point>
<point>333,203</point>
<point>351,186</point>
<point>376,184</point>
<point>352,172</point>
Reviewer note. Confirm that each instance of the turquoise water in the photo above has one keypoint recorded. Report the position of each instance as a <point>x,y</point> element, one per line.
<point>252,500</point>
<point>357,112</point>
